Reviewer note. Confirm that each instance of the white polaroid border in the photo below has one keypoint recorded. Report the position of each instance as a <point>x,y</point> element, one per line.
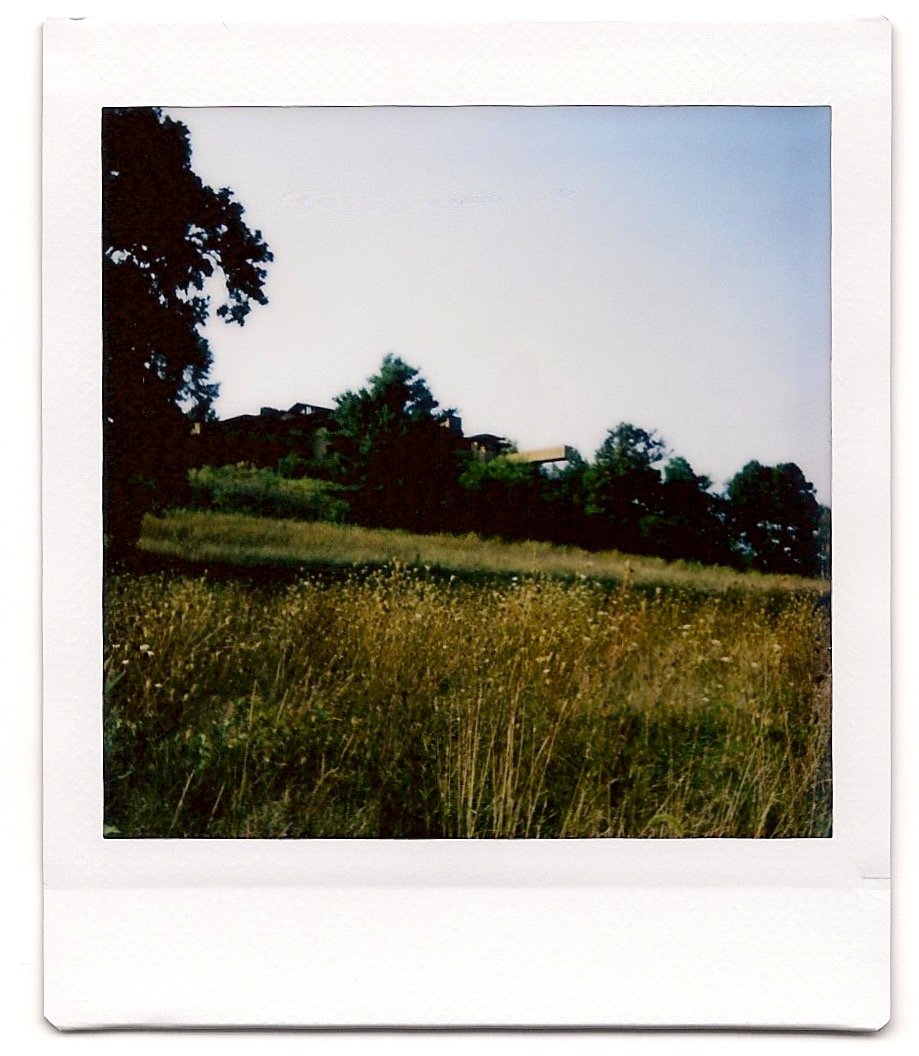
<point>666,933</point>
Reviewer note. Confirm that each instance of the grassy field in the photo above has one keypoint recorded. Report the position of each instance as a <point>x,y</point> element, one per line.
<point>215,539</point>
<point>391,685</point>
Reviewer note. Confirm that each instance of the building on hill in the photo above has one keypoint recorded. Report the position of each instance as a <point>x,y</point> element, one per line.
<point>307,430</point>
<point>543,456</point>
<point>264,438</point>
<point>486,445</point>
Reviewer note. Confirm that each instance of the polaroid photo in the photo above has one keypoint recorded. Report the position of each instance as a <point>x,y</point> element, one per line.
<point>466,525</point>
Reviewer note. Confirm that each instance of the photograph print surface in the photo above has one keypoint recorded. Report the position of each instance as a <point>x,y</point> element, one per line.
<point>467,472</point>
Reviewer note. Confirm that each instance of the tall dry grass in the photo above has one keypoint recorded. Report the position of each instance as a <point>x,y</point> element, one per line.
<point>397,703</point>
<point>210,537</point>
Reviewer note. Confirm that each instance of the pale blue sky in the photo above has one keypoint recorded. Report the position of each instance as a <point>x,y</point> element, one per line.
<point>552,270</point>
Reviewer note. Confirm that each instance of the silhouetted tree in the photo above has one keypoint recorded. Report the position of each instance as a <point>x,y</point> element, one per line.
<point>393,453</point>
<point>564,496</point>
<point>774,516</point>
<point>691,525</point>
<point>622,487</point>
<point>164,233</point>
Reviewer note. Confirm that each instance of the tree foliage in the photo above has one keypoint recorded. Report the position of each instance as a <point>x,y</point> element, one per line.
<point>164,234</point>
<point>376,416</point>
<point>404,470</point>
<point>502,497</point>
<point>623,485</point>
<point>391,450</point>
<point>692,524</point>
<point>775,517</point>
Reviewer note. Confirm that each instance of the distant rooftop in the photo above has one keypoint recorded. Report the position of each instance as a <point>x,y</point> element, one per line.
<point>486,444</point>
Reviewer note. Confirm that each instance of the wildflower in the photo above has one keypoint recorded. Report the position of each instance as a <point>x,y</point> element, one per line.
<point>725,659</point>
<point>145,648</point>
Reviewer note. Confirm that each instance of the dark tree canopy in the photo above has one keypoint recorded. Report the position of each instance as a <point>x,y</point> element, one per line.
<point>164,234</point>
<point>629,449</point>
<point>393,400</point>
<point>678,472</point>
<point>775,517</point>
<point>390,448</point>
<point>623,485</point>
<point>692,523</point>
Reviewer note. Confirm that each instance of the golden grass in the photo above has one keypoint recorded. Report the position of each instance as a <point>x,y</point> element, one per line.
<point>204,536</point>
<point>396,703</point>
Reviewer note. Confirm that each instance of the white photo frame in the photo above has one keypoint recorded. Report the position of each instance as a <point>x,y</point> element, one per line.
<point>669,933</point>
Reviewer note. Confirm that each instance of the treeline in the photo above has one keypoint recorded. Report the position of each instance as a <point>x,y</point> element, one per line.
<point>394,465</point>
<point>390,460</point>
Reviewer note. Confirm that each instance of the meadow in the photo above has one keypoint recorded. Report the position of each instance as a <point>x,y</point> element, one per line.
<point>380,684</point>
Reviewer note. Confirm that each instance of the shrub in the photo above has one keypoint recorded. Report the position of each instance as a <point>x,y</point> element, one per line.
<point>243,488</point>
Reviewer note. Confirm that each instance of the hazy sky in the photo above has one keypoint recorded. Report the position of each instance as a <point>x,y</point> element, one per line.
<point>551,270</point>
